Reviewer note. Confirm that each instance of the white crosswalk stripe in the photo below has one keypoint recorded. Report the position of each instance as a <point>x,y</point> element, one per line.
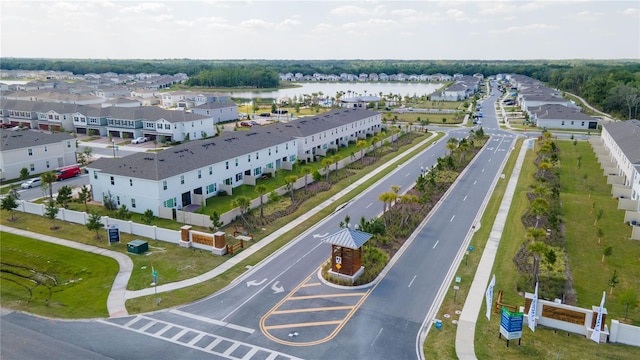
<point>203,341</point>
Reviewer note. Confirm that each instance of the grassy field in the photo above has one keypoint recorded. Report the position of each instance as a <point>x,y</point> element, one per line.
<point>584,255</point>
<point>174,263</point>
<point>53,280</point>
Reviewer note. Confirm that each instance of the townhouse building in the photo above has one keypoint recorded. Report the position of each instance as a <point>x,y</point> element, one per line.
<point>36,151</point>
<point>555,116</point>
<point>622,138</point>
<point>194,171</point>
<point>219,111</point>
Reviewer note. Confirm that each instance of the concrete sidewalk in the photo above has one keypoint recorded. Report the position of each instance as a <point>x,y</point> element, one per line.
<point>465,334</point>
<point>119,294</point>
<point>270,238</point>
<point>116,299</point>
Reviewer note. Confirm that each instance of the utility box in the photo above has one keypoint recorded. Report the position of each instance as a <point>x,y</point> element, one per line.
<point>137,246</point>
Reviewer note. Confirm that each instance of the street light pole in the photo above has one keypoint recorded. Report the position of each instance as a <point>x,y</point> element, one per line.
<point>113,143</point>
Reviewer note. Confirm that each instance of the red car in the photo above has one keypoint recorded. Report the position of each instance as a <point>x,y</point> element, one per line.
<point>67,172</point>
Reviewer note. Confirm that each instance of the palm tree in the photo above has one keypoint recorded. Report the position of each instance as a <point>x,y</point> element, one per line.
<point>463,146</point>
<point>326,162</point>
<point>361,144</point>
<point>261,189</point>
<point>452,144</point>
<point>306,170</point>
<point>374,141</point>
<point>386,198</point>
<point>242,202</point>
<point>539,207</point>
<point>289,181</point>
<point>48,179</point>
<point>336,159</point>
<point>396,190</point>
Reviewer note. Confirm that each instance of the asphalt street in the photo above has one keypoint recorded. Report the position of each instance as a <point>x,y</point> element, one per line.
<point>281,309</point>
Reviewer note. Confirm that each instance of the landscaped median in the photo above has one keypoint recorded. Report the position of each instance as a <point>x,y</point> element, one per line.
<point>174,263</point>
<point>582,186</point>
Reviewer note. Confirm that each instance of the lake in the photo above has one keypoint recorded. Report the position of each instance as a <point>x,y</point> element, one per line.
<point>355,88</point>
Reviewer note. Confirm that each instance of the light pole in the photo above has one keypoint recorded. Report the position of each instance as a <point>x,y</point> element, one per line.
<point>113,143</point>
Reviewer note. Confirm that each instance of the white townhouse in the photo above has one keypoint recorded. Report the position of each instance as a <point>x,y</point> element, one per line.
<point>38,114</point>
<point>556,116</point>
<point>91,121</point>
<point>36,151</point>
<point>219,111</point>
<point>330,130</point>
<point>154,122</point>
<point>191,172</point>
<point>622,138</point>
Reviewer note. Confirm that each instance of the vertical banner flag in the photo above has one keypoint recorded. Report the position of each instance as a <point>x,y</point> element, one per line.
<point>533,311</point>
<point>489,296</point>
<point>595,335</point>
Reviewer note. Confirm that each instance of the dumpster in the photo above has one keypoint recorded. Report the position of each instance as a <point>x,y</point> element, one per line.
<point>137,246</point>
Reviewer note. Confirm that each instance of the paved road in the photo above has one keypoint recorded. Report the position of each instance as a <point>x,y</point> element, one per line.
<point>281,309</point>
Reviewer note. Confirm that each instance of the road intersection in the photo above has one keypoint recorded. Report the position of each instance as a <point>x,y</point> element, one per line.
<point>281,308</point>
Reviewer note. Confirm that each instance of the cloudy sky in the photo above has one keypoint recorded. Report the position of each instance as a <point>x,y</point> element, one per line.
<point>303,29</point>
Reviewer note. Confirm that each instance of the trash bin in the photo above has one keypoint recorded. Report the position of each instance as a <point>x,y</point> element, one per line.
<point>137,246</point>
<point>438,324</point>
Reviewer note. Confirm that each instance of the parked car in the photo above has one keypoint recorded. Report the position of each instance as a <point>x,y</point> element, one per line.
<point>139,140</point>
<point>245,124</point>
<point>253,122</point>
<point>67,172</point>
<point>31,183</point>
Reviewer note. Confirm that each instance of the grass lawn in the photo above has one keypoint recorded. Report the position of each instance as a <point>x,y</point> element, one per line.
<point>53,280</point>
<point>174,263</point>
<point>590,277</point>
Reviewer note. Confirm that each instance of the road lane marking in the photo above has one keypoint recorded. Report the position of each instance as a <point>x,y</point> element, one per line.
<point>311,284</point>
<point>376,338</point>
<point>303,310</point>
<point>465,198</point>
<point>436,244</point>
<point>307,324</point>
<point>407,174</point>
<point>306,297</point>
<point>475,182</point>
<point>482,169</point>
<point>453,217</point>
<point>212,321</point>
<point>412,280</point>
<point>366,207</point>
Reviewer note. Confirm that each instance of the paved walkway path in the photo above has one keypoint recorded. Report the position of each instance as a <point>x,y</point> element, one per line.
<point>465,333</point>
<point>119,294</point>
<point>116,299</point>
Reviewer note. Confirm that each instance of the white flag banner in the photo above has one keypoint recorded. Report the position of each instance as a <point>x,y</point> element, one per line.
<point>489,296</point>
<point>595,335</point>
<point>533,311</point>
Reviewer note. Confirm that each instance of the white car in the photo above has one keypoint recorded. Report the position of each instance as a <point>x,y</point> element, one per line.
<point>139,140</point>
<point>35,182</point>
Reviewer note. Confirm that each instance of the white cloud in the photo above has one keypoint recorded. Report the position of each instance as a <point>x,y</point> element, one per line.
<point>358,10</point>
<point>525,28</point>
<point>404,12</point>
<point>633,12</point>
<point>144,8</point>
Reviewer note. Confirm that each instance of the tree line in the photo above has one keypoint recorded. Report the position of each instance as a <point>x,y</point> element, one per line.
<point>612,86</point>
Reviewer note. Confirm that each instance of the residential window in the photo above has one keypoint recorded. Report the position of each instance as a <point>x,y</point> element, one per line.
<point>210,170</point>
<point>228,181</point>
<point>32,167</point>
<point>45,148</point>
<point>236,162</point>
<point>257,156</point>
<point>118,200</point>
<point>164,185</point>
<point>133,203</point>
<point>30,152</point>
<point>572,123</point>
<point>582,124</point>
<point>181,179</point>
<point>257,171</point>
<point>226,165</point>
<point>239,177</point>
<point>47,164</point>
<point>113,180</point>
<point>248,158</point>
<point>68,144</point>
<point>95,174</point>
<point>130,182</point>
<point>562,123</point>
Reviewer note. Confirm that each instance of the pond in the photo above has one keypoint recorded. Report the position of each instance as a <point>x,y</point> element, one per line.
<point>350,89</point>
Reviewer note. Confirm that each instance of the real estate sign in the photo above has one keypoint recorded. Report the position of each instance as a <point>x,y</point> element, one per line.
<point>511,324</point>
